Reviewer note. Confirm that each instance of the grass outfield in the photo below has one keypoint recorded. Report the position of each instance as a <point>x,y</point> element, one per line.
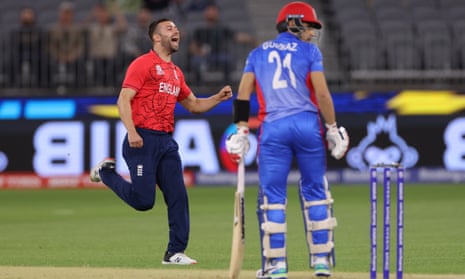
<point>92,228</point>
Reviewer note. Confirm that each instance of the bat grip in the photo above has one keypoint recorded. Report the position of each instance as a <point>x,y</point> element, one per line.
<point>241,176</point>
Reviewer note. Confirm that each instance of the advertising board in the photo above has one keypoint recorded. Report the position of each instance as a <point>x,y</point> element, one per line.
<point>65,137</point>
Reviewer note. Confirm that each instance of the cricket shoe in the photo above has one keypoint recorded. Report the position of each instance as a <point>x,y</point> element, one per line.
<point>177,258</point>
<point>277,271</point>
<point>108,163</point>
<point>322,267</point>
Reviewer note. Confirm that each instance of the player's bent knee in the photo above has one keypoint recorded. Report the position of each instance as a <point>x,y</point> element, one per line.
<point>144,206</point>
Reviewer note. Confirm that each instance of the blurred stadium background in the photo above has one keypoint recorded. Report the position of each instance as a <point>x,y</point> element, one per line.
<point>367,44</point>
<point>396,69</point>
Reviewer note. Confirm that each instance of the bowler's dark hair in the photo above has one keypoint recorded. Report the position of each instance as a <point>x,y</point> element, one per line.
<point>153,26</point>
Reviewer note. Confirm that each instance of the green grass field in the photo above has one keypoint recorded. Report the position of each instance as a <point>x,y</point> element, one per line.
<point>93,228</point>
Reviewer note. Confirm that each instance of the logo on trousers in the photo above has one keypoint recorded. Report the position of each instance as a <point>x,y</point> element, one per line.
<point>140,170</point>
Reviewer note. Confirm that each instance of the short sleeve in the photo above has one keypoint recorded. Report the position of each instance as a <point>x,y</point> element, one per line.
<point>185,89</point>
<point>135,75</point>
<point>249,63</point>
<point>317,59</point>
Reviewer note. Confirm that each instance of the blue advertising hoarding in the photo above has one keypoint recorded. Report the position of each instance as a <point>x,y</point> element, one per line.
<point>423,130</point>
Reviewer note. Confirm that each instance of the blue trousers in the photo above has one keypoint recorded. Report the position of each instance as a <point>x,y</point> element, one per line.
<point>299,137</point>
<point>156,163</point>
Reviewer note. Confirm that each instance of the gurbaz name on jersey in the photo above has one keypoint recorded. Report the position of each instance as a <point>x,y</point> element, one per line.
<point>280,46</point>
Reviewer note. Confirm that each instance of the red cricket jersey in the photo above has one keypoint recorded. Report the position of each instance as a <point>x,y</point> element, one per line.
<point>159,85</point>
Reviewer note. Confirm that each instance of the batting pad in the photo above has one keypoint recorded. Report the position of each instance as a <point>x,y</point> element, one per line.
<point>268,228</point>
<point>327,224</point>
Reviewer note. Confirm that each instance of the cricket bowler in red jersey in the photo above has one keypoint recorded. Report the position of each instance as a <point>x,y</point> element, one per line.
<point>151,88</point>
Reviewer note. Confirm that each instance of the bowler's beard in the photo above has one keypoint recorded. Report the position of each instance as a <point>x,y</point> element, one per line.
<point>173,49</point>
<point>170,46</point>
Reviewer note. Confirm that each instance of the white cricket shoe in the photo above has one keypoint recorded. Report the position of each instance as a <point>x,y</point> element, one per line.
<point>322,268</point>
<point>95,172</point>
<point>177,258</point>
<point>273,271</point>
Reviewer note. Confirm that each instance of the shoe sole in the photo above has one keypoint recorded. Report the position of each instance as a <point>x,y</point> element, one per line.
<point>273,276</point>
<point>165,262</point>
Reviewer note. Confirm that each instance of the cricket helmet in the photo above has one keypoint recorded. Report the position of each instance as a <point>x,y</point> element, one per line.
<point>299,11</point>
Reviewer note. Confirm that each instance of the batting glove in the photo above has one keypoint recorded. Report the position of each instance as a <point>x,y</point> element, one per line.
<point>338,140</point>
<point>237,144</point>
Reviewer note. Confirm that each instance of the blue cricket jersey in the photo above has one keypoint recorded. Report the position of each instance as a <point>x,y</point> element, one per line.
<point>282,70</point>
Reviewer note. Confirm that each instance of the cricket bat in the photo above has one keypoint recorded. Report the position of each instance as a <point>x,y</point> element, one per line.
<point>238,238</point>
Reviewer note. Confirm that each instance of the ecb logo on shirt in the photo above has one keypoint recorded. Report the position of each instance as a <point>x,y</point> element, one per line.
<point>159,70</point>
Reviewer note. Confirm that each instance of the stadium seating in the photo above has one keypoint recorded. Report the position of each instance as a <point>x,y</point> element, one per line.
<point>234,14</point>
<point>368,44</point>
<point>400,47</point>
<point>416,39</point>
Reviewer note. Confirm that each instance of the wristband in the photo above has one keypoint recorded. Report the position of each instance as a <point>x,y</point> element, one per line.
<point>241,111</point>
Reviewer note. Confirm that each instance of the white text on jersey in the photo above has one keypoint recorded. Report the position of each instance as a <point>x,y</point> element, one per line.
<point>280,46</point>
<point>169,88</point>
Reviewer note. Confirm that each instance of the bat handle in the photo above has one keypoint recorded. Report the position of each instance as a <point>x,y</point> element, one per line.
<point>241,176</point>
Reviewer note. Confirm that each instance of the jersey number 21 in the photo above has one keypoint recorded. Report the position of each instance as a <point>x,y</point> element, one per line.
<point>282,65</point>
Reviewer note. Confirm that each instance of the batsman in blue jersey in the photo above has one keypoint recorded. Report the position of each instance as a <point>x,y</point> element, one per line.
<point>287,75</point>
